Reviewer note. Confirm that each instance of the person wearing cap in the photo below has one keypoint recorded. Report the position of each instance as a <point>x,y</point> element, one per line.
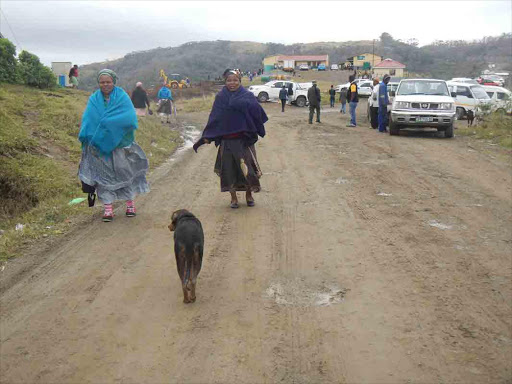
<point>140,99</point>
<point>112,162</point>
<point>235,122</point>
<point>314,102</point>
<point>383,103</point>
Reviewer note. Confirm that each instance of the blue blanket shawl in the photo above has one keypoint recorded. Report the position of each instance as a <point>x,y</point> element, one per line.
<point>107,127</point>
<point>234,112</point>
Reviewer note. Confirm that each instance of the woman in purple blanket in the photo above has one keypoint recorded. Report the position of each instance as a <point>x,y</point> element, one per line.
<point>235,122</point>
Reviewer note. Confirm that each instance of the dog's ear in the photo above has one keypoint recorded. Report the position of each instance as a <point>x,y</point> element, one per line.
<point>172,226</point>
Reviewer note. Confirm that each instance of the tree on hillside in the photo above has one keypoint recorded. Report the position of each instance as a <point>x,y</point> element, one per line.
<point>34,73</point>
<point>8,62</point>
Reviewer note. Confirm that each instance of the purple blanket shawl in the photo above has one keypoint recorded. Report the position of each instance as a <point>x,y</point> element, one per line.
<point>234,112</point>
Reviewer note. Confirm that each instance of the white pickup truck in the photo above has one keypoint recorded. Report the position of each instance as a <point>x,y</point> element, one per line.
<point>270,91</point>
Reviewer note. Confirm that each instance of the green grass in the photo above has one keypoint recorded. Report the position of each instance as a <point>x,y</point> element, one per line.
<point>495,127</point>
<point>39,157</point>
<point>198,104</point>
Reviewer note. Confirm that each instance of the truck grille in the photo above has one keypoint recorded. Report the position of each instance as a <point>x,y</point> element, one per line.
<point>425,105</point>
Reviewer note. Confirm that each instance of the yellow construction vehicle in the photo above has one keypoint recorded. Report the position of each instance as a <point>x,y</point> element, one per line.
<point>174,80</point>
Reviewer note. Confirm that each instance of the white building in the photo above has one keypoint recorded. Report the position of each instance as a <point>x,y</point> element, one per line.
<point>61,70</point>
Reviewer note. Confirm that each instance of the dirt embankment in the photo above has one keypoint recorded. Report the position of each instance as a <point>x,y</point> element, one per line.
<point>367,258</point>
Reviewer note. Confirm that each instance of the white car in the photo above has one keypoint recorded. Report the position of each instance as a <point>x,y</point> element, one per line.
<point>467,97</point>
<point>364,87</point>
<point>334,67</point>
<point>303,67</point>
<point>270,92</point>
<point>463,80</point>
<point>422,103</point>
<point>501,98</point>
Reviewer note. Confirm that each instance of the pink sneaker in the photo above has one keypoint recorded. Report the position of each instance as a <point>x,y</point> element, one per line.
<point>108,213</point>
<point>130,211</point>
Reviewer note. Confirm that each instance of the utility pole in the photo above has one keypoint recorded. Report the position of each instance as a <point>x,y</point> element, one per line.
<point>373,56</point>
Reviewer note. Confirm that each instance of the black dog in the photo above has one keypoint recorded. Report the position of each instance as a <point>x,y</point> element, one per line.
<point>188,249</point>
<point>471,116</point>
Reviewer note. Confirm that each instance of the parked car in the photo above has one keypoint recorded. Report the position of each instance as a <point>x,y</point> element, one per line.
<point>365,87</point>
<point>304,67</point>
<point>491,80</point>
<point>422,103</point>
<point>321,67</point>
<point>467,97</point>
<point>501,98</point>
<point>270,91</point>
<point>464,80</point>
<point>334,67</point>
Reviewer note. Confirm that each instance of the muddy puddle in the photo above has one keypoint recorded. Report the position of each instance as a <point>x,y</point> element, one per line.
<point>301,293</point>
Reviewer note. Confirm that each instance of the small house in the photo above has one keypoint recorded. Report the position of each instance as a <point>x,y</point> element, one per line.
<point>61,71</point>
<point>389,67</point>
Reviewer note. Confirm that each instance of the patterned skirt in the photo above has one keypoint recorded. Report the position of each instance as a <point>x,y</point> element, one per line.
<point>121,176</point>
<point>237,166</point>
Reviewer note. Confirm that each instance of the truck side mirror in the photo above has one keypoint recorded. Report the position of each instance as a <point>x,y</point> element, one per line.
<point>453,94</point>
<point>392,93</point>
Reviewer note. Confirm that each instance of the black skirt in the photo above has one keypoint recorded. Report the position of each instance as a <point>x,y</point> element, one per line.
<point>237,166</point>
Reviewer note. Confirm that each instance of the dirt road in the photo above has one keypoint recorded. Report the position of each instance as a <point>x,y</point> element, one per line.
<point>367,259</point>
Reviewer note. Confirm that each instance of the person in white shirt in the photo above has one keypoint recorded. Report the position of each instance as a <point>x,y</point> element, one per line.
<point>374,104</point>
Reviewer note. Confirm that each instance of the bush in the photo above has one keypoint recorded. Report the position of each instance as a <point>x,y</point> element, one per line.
<point>8,62</point>
<point>34,73</point>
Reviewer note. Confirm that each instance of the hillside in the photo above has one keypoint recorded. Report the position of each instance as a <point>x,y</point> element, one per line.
<point>198,60</point>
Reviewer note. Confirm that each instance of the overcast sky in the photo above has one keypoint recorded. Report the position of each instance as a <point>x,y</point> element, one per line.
<point>91,31</point>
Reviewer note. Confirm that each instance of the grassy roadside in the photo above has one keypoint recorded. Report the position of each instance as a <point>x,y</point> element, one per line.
<point>496,128</point>
<point>39,157</point>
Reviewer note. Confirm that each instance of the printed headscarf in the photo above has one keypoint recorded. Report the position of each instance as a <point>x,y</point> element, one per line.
<point>228,72</point>
<point>107,72</point>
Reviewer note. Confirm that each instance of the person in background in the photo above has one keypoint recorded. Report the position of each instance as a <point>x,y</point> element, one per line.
<point>112,161</point>
<point>374,104</point>
<point>283,96</point>
<point>343,100</point>
<point>290,93</point>
<point>140,99</point>
<point>314,102</point>
<point>353,100</point>
<point>332,94</point>
<point>383,103</point>
<point>73,76</point>
<point>235,122</point>
<point>165,103</point>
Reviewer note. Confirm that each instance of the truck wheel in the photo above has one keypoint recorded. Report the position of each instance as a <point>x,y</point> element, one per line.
<point>301,101</point>
<point>449,131</point>
<point>262,97</point>
<point>174,85</point>
<point>393,129</point>
<point>460,113</point>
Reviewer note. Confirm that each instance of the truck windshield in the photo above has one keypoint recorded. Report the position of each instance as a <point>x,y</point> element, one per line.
<point>423,87</point>
<point>479,92</point>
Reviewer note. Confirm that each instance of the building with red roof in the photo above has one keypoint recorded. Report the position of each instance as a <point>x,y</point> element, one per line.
<point>389,67</point>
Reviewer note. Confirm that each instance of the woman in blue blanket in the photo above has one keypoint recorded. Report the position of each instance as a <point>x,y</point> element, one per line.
<point>112,161</point>
<point>235,122</point>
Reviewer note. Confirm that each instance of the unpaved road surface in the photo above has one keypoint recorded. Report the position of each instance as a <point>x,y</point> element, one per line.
<point>367,259</point>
